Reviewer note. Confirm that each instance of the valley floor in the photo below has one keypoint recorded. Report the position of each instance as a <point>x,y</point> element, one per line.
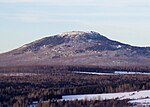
<point>46,86</point>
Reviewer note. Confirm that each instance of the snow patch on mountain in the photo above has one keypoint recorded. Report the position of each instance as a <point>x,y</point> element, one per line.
<point>119,46</point>
<point>72,33</point>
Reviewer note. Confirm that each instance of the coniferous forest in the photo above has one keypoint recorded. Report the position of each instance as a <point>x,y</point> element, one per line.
<point>23,85</point>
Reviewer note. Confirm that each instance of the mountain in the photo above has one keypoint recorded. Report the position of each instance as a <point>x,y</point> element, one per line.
<point>77,48</point>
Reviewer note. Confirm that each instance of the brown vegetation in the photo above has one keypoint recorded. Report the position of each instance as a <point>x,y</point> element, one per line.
<point>51,83</point>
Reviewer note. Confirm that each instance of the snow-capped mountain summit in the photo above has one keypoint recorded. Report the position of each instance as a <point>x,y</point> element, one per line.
<point>77,48</point>
<point>77,33</point>
<point>72,33</point>
<point>81,34</point>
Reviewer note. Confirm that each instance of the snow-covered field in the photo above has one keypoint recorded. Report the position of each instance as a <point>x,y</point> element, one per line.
<point>135,96</point>
<point>115,73</point>
<point>121,96</point>
<point>17,74</point>
<point>144,102</point>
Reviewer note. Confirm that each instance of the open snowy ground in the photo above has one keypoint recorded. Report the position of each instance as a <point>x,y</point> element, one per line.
<point>120,96</point>
<point>144,102</point>
<point>17,74</point>
<point>135,96</point>
<point>115,73</point>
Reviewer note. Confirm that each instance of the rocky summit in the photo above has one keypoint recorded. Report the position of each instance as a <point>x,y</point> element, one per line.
<point>77,48</point>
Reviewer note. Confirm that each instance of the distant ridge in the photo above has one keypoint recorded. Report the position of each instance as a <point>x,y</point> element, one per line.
<point>77,48</point>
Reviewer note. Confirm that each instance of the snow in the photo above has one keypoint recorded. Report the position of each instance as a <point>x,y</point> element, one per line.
<point>140,101</point>
<point>90,40</point>
<point>24,46</point>
<point>115,73</point>
<point>119,46</point>
<point>72,33</point>
<point>34,103</point>
<point>120,96</point>
<point>126,72</point>
<point>77,33</point>
<point>17,74</point>
<point>94,73</point>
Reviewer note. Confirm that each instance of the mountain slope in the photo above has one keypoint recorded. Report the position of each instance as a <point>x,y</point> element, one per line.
<point>77,48</point>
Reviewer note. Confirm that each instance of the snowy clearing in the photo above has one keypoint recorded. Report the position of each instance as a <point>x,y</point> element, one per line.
<point>144,102</point>
<point>17,74</point>
<point>119,96</point>
<point>115,73</point>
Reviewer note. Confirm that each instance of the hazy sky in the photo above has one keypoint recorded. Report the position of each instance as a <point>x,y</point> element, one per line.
<point>23,21</point>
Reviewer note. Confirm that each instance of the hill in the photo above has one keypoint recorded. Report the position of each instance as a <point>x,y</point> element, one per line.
<point>77,48</point>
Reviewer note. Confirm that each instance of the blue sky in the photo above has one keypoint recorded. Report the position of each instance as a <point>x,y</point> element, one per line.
<point>23,21</point>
